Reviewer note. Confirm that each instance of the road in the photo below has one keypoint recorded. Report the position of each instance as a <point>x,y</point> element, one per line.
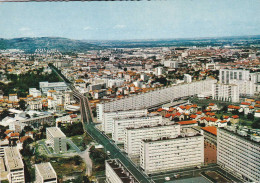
<point>85,156</point>
<point>89,127</point>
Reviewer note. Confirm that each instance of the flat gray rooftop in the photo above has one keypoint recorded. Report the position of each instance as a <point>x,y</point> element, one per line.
<point>55,132</point>
<point>13,158</point>
<point>46,171</point>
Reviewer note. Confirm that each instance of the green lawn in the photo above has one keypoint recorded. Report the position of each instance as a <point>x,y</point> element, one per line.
<point>81,141</point>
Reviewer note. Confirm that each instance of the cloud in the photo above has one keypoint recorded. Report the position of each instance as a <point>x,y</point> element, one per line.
<point>118,26</point>
<point>26,32</point>
<point>87,28</point>
<point>24,29</point>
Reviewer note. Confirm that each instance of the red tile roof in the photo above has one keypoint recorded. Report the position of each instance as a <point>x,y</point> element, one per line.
<point>193,116</point>
<point>210,129</point>
<point>8,131</point>
<point>168,115</point>
<point>15,134</point>
<point>235,116</point>
<point>245,103</point>
<point>160,109</point>
<point>187,122</point>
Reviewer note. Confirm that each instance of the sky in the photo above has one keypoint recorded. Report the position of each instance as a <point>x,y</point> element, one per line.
<point>130,20</point>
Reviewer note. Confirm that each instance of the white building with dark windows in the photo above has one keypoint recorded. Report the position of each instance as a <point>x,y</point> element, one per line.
<point>166,154</point>
<point>248,83</point>
<point>225,92</point>
<point>135,135</point>
<point>44,172</point>
<point>116,172</point>
<point>108,117</point>
<point>120,124</point>
<point>57,139</point>
<point>14,165</point>
<point>239,152</point>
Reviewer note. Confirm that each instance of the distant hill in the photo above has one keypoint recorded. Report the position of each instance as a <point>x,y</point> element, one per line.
<point>29,45</point>
<point>243,41</point>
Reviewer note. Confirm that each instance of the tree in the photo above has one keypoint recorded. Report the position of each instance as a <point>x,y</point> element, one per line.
<point>225,108</point>
<point>250,116</point>
<point>77,159</point>
<point>4,114</point>
<point>22,104</point>
<point>256,124</point>
<point>28,128</point>
<point>26,151</point>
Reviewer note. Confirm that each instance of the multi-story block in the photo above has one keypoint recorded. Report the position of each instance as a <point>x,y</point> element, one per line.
<point>210,144</point>
<point>157,97</point>
<point>134,136</point>
<point>225,75</point>
<point>165,154</point>
<point>120,124</point>
<point>246,81</point>
<point>57,139</point>
<point>239,151</point>
<point>108,117</point>
<point>116,172</point>
<point>225,92</point>
<point>44,172</point>
<point>14,165</point>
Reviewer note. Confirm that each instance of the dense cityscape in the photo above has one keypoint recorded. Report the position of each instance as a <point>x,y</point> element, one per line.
<point>130,92</point>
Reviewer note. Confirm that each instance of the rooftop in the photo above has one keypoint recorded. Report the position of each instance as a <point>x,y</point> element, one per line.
<point>13,158</point>
<point>55,132</point>
<point>210,129</point>
<point>121,171</point>
<point>46,171</point>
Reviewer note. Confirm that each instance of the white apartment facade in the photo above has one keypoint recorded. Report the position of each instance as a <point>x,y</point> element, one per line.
<point>44,172</point>
<point>116,172</point>
<point>14,165</point>
<point>156,97</point>
<point>57,139</point>
<point>239,152</point>
<point>225,92</point>
<point>108,117</point>
<point>225,75</point>
<point>120,124</point>
<point>246,81</point>
<point>135,135</point>
<point>165,154</point>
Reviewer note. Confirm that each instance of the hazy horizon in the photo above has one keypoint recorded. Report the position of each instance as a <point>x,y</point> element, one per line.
<point>130,20</point>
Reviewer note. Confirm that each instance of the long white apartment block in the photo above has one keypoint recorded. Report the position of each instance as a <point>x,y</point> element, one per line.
<point>120,124</point>
<point>225,92</point>
<point>239,151</point>
<point>44,172</point>
<point>135,135</point>
<point>57,139</point>
<point>165,154</point>
<point>116,172</point>
<point>157,97</point>
<point>14,165</point>
<point>108,117</point>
